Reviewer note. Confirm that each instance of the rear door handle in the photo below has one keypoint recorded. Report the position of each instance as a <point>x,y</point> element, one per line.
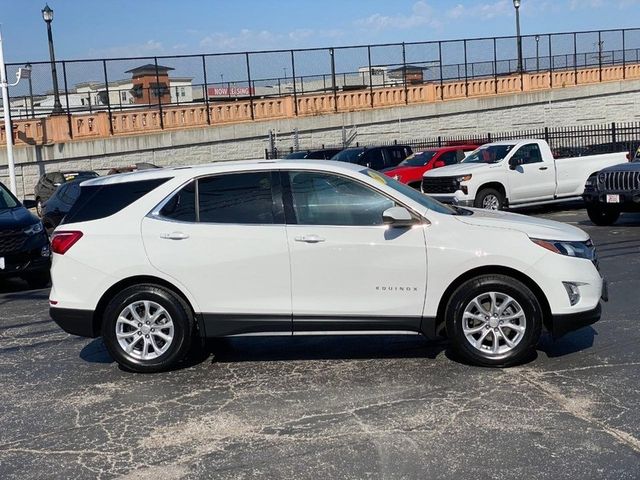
<point>543,168</point>
<point>310,239</point>
<point>174,236</point>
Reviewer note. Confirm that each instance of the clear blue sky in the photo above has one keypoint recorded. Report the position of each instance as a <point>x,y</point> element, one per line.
<point>116,28</point>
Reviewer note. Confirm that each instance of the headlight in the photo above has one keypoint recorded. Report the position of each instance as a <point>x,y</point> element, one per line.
<point>591,182</point>
<point>33,229</point>
<point>570,249</point>
<point>464,178</point>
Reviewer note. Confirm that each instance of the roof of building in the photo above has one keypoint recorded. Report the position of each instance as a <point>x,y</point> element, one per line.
<point>149,67</point>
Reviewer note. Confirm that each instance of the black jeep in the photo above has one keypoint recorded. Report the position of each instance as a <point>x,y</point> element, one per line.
<point>612,191</point>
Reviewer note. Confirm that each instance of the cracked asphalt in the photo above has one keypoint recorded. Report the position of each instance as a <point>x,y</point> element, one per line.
<point>337,407</point>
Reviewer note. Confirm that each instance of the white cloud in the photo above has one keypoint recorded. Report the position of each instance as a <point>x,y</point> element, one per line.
<point>421,15</point>
<point>148,48</point>
<point>485,10</point>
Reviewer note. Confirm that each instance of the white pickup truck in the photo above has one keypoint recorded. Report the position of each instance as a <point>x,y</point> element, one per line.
<point>514,173</point>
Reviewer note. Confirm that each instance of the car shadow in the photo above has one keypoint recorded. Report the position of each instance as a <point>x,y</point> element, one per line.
<point>571,343</point>
<point>347,347</point>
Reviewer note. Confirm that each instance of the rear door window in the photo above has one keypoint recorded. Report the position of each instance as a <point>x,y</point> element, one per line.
<point>449,158</point>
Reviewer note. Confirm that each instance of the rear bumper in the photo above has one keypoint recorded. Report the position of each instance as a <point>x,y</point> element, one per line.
<point>75,322</point>
<point>563,324</point>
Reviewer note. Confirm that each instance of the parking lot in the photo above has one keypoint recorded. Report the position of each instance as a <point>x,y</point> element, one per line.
<point>336,407</point>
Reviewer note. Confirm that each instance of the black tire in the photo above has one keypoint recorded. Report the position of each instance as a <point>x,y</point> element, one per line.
<point>485,194</point>
<point>602,216</point>
<point>38,280</point>
<point>175,306</point>
<point>39,207</point>
<point>503,285</point>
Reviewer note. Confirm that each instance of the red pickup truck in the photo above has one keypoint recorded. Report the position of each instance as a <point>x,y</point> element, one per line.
<point>410,170</point>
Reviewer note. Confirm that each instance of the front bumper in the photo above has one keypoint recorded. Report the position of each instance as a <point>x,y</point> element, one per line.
<point>75,322</point>
<point>563,324</point>
<point>33,257</point>
<point>457,198</point>
<point>629,200</point>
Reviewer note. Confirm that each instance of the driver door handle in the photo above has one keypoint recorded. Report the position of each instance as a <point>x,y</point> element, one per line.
<point>310,239</point>
<point>174,236</point>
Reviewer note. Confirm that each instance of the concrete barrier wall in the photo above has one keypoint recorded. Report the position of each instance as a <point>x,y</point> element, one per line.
<point>583,105</point>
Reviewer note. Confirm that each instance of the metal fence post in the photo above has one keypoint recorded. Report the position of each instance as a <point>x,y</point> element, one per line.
<point>600,54</point>
<point>614,136</point>
<point>155,59</point>
<point>295,92</point>
<point>404,74</point>
<point>106,87</point>
<point>624,56</point>
<point>333,79</point>
<point>249,84</point>
<point>370,76</point>
<point>466,78</point>
<point>206,89</point>
<point>550,63</point>
<point>441,73</point>
<point>495,63</point>
<point>66,96</point>
<point>575,57</point>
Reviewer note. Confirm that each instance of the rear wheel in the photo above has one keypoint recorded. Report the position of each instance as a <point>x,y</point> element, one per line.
<point>39,209</point>
<point>489,199</point>
<point>147,328</point>
<point>494,320</point>
<point>602,215</point>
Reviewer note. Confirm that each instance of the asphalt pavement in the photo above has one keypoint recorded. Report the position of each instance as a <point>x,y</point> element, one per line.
<point>337,407</point>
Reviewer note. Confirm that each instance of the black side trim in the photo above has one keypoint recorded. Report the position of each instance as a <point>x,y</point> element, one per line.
<point>563,324</point>
<point>225,324</point>
<point>75,322</point>
<point>428,328</point>
<point>306,323</point>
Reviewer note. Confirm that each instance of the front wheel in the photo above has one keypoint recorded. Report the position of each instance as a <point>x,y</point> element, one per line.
<point>489,199</point>
<point>147,328</point>
<point>602,216</point>
<point>494,321</point>
<point>39,207</point>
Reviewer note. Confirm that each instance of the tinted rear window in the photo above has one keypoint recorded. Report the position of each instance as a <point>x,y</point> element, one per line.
<point>100,201</point>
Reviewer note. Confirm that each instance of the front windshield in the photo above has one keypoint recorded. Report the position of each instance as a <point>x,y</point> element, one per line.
<point>489,154</point>
<point>413,194</point>
<point>7,200</point>
<point>419,159</point>
<point>351,155</point>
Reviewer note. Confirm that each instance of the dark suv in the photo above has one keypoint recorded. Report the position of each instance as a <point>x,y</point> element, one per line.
<point>24,245</point>
<point>324,154</point>
<point>52,180</point>
<point>376,158</point>
<point>612,191</point>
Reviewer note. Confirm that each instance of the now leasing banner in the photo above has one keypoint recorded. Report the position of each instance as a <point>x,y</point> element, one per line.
<point>230,91</point>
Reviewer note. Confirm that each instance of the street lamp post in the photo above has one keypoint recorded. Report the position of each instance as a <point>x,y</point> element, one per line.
<point>538,53</point>
<point>47,16</point>
<point>28,67</point>
<point>516,4</point>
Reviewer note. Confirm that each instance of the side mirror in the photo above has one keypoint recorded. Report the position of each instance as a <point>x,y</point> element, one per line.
<point>398,217</point>
<point>29,204</point>
<point>515,163</point>
<point>439,164</point>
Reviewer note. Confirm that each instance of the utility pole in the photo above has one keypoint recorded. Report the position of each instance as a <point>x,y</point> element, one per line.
<point>6,108</point>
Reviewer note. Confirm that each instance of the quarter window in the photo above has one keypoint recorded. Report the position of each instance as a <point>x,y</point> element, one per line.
<point>325,199</point>
<point>182,206</point>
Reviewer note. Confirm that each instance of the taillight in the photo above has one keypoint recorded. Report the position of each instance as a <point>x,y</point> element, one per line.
<point>63,241</point>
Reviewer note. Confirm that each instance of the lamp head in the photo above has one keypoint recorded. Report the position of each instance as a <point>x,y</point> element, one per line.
<point>516,3</point>
<point>47,14</point>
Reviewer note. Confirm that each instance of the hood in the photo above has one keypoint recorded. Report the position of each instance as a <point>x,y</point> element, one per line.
<point>460,169</point>
<point>623,167</point>
<point>531,226</point>
<point>17,217</point>
<point>399,170</point>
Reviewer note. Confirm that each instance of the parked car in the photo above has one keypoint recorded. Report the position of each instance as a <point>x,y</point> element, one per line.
<point>132,168</point>
<point>54,209</point>
<point>324,154</point>
<point>513,174</point>
<point>612,191</point>
<point>154,260</point>
<point>412,168</point>
<point>376,158</point>
<point>24,245</point>
<point>52,180</point>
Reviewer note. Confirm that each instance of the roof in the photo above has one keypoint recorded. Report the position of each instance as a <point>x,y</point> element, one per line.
<point>149,67</point>
<point>187,172</point>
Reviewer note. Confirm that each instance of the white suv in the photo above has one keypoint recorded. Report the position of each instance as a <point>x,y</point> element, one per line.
<point>156,260</point>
